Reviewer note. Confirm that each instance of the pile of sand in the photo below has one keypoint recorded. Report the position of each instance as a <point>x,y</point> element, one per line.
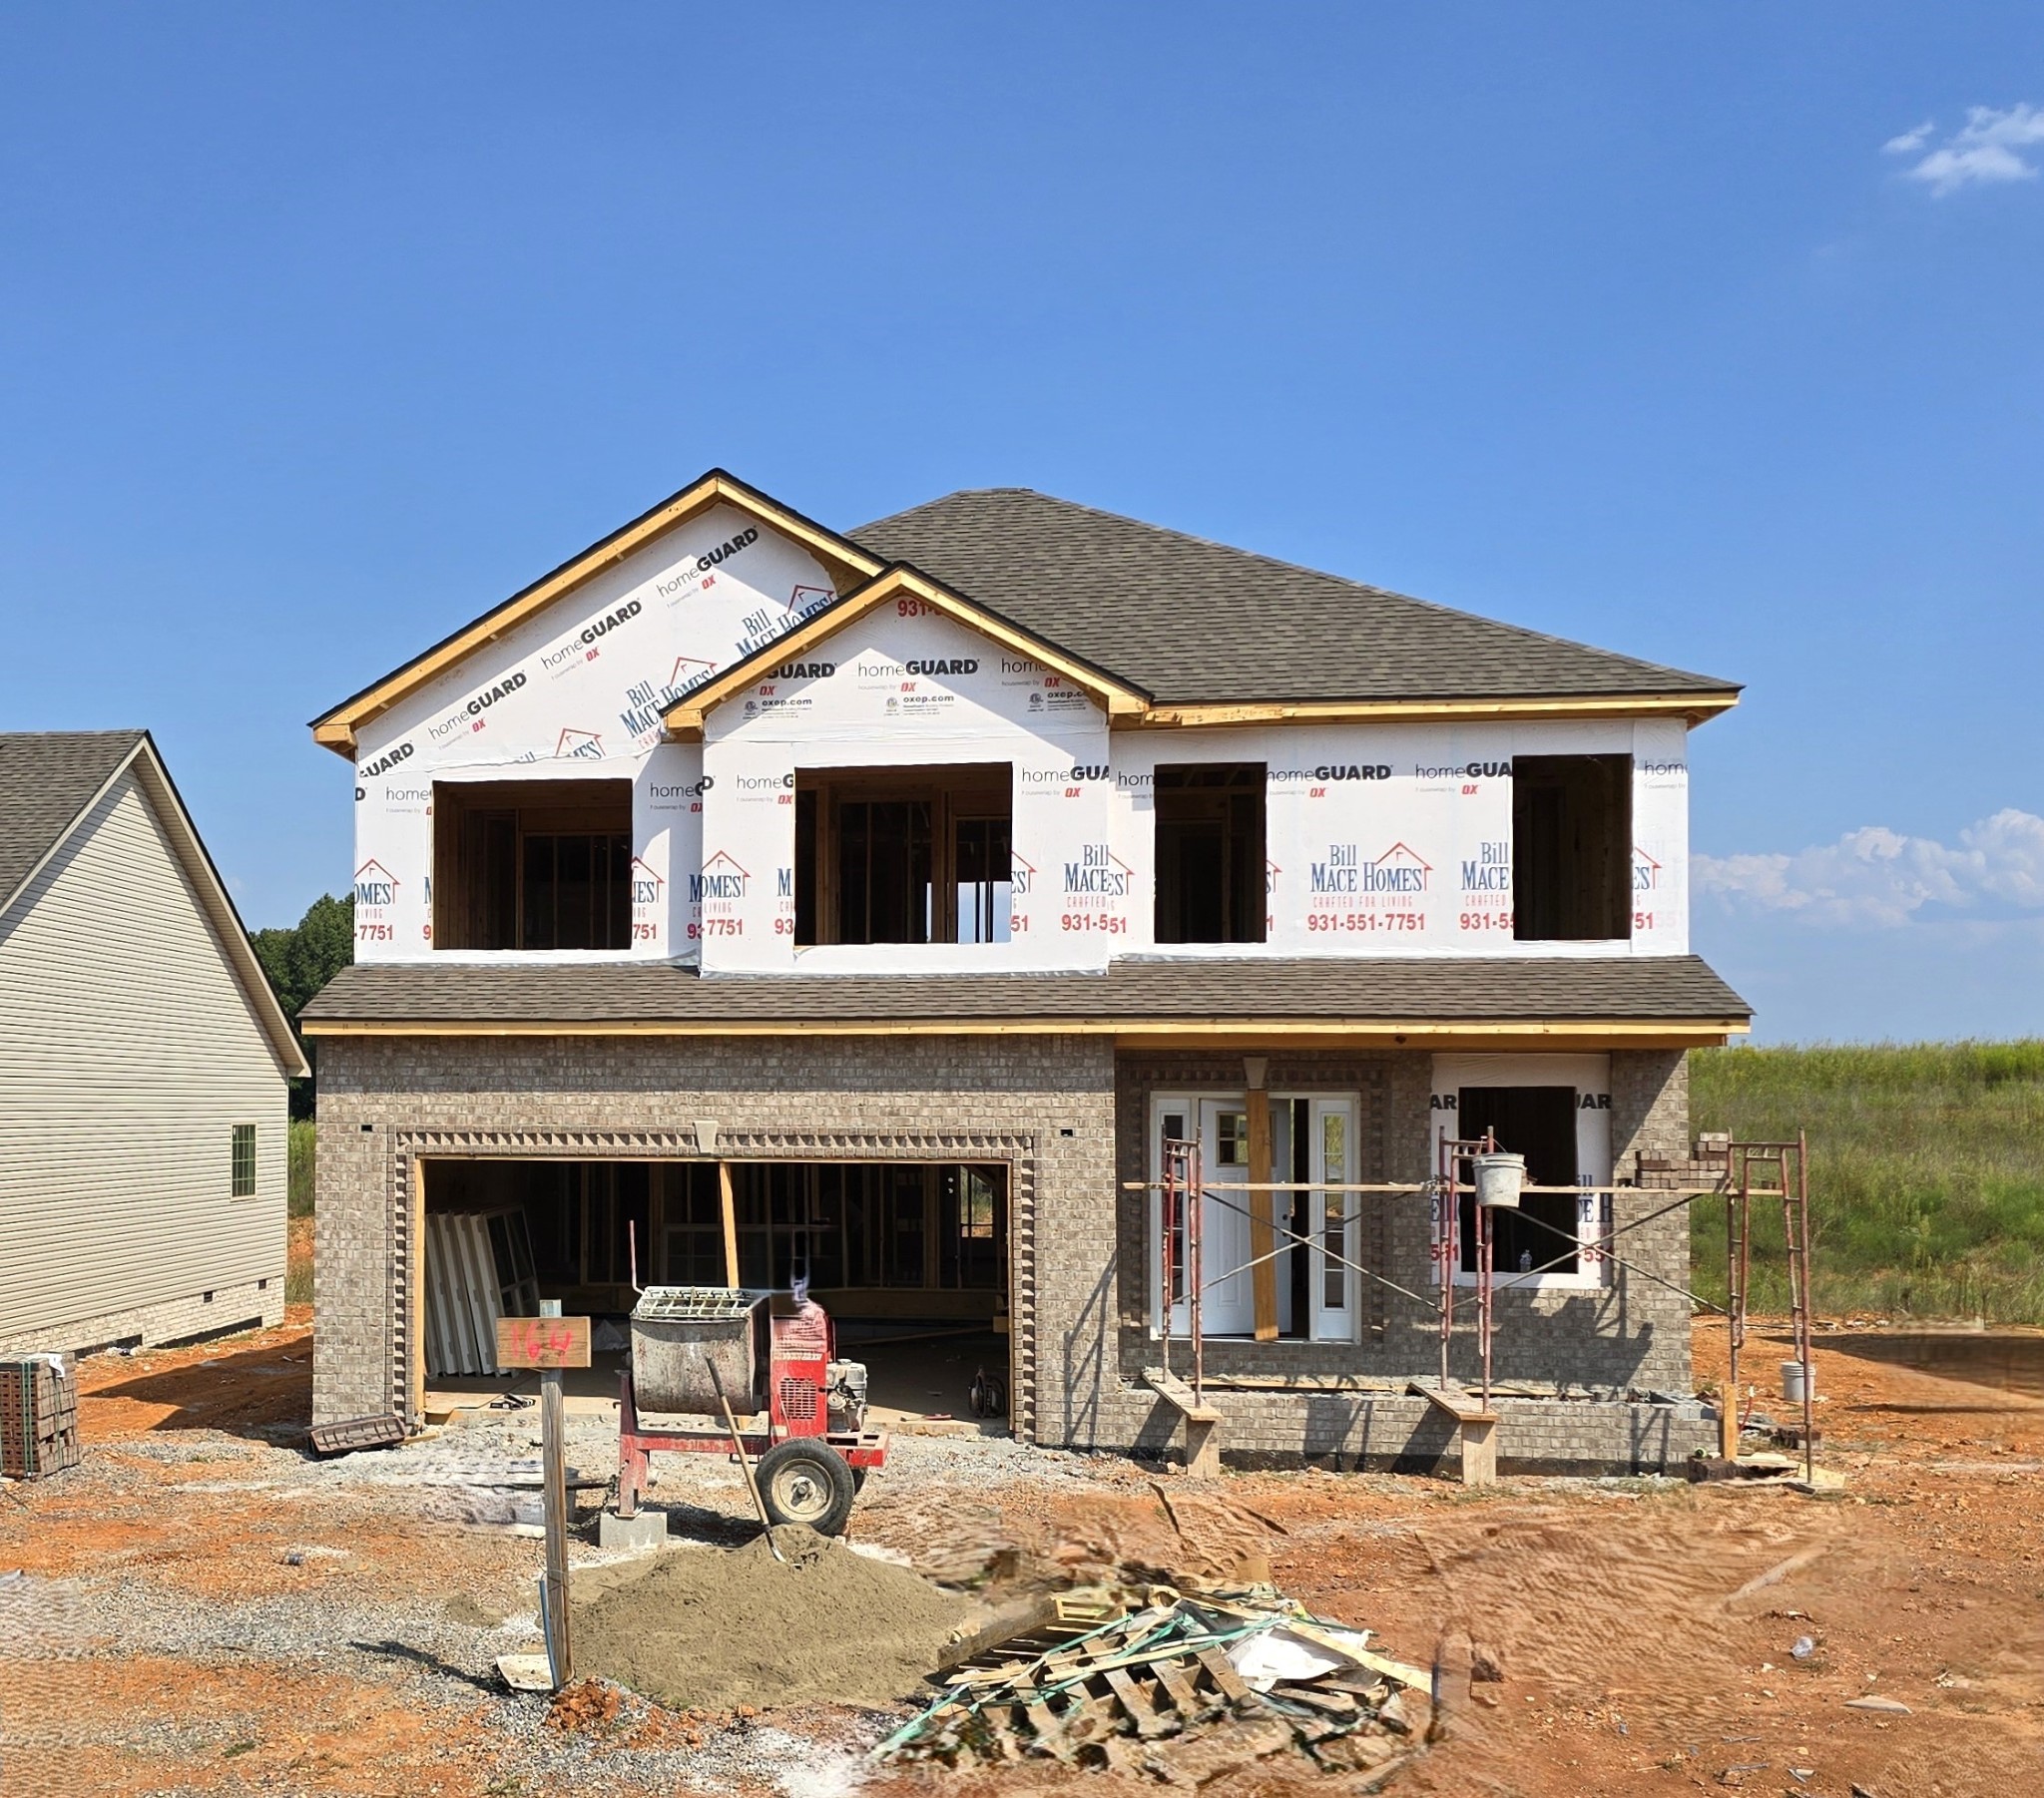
<point>715,1628</point>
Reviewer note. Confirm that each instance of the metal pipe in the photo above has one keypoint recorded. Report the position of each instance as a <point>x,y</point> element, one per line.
<point>1195,1204</point>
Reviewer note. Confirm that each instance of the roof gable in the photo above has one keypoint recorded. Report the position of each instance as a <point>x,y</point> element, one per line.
<point>47,780</point>
<point>899,585</point>
<point>47,774</point>
<point>1200,624</point>
<point>338,728</point>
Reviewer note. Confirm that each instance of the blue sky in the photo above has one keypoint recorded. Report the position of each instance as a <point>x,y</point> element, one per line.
<point>1705,332</point>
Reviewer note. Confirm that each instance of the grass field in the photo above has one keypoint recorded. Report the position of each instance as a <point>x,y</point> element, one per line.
<point>297,1284</point>
<point>1926,1173</point>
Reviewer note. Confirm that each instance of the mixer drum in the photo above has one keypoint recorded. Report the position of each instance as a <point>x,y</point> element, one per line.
<point>679,1333</point>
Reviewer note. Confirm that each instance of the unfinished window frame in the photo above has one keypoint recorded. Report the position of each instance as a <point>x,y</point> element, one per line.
<point>1243,884</point>
<point>1569,908</point>
<point>1322,1325</point>
<point>485,831</point>
<point>1589,1074</point>
<point>959,796</point>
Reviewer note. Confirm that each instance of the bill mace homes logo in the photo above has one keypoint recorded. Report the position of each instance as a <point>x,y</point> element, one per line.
<point>584,745</point>
<point>1646,872</point>
<point>646,883</point>
<point>1398,870</point>
<point>1491,871</point>
<point>375,887</point>
<point>645,701</point>
<point>1098,872</point>
<point>722,878</point>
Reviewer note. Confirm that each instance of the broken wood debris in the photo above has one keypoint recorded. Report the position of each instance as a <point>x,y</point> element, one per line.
<point>1179,1686</point>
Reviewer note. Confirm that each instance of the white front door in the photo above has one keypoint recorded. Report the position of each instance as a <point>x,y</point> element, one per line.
<point>1227,1292</point>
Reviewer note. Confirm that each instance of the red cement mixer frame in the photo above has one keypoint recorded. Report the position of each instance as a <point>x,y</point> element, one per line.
<point>803,1345</point>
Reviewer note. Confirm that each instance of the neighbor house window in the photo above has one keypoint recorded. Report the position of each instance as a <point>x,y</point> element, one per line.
<point>243,1161</point>
<point>1572,833</point>
<point>1212,873</point>
<point>532,864</point>
<point>904,856</point>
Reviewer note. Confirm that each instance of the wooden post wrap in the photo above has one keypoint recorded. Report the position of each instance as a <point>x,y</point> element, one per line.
<point>730,1224</point>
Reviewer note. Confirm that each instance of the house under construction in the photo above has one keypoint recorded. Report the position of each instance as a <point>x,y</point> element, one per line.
<point>967,909</point>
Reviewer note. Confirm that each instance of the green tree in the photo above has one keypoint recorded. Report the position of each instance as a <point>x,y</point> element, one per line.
<point>302,959</point>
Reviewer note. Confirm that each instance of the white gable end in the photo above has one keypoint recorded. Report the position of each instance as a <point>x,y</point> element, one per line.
<point>908,686</point>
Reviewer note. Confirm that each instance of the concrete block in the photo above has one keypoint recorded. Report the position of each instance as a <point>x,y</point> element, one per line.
<point>642,1533</point>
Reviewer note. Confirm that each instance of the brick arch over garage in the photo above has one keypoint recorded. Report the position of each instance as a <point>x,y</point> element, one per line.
<point>407,1203</point>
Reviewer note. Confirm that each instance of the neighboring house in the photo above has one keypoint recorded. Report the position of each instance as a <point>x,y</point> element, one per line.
<point>933,874</point>
<point>143,1063</point>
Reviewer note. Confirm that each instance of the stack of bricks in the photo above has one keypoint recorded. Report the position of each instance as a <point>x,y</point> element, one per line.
<point>38,1418</point>
<point>1708,1164</point>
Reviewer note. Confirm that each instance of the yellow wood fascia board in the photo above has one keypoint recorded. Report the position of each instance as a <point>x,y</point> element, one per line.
<point>336,729</point>
<point>1694,707</point>
<point>686,717</point>
<point>1656,1033</point>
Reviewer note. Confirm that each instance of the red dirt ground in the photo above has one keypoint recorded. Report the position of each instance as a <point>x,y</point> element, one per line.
<point>1644,1630</point>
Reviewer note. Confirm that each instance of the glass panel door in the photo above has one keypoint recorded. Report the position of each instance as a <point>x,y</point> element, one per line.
<point>1336,1286</point>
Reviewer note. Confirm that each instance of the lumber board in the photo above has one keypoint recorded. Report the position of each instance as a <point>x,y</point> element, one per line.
<point>1176,1394</point>
<point>1457,1401</point>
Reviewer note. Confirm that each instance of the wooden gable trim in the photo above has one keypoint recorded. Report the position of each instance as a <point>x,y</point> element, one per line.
<point>1697,708</point>
<point>336,729</point>
<point>686,716</point>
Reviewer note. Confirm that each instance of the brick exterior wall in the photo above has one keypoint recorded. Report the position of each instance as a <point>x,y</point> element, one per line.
<point>1072,1124</point>
<point>246,1305</point>
<point>1044,1105</point>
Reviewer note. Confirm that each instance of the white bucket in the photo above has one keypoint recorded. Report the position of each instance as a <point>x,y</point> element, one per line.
<point>1791,1382</point>
<point>1498,1179</point>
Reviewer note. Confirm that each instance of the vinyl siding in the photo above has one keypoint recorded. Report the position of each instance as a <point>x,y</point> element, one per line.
<point>128,1054</point>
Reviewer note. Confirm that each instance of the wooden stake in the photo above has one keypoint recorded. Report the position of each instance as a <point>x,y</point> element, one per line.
<point>554,1465</point>
<point>730,1224</point>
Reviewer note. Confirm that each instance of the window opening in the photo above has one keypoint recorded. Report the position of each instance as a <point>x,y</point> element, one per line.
<point>241,1166</point>
<point>1212,873</point>
<point>904,856</point>
<point>1538,1122</point>
<point>1572,831</point>
<point>532,864</point>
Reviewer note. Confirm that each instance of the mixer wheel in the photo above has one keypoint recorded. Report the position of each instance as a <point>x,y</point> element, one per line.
<point>803,1481</point>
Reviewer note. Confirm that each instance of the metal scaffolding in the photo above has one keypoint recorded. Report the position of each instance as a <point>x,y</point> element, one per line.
<point>1749,1170</point>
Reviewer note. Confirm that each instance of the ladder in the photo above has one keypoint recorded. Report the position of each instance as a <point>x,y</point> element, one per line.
<point>1768,1171</point>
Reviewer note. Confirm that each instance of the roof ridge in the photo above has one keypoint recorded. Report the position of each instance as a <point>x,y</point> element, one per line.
<point>1614,657</point>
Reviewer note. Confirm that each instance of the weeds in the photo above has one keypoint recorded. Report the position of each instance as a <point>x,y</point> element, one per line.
<point>302,1162</point>
<point>1926,1173</point>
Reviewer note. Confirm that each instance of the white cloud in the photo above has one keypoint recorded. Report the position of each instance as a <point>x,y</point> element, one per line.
<point>1990,147</point>
<point>1877,877</point>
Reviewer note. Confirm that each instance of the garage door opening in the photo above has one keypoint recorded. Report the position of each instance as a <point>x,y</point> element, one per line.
<point>911,1258</point>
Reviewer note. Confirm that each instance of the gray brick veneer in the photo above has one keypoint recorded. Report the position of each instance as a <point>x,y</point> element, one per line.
<point>1071,1123</point>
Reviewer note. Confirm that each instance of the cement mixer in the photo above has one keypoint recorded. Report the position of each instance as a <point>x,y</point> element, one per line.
<point>768,1355</point>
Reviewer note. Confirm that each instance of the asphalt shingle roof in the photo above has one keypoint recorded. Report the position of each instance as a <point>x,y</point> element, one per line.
<point>1613,989</point>
<point>1190,622</point>
<point>47,777</point>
